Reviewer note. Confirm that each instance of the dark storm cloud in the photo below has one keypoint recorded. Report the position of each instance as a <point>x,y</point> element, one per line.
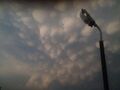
<point>46,0</point>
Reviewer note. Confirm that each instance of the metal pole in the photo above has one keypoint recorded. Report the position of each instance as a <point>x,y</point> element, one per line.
<point>90,21</point>
<point>103,61</point>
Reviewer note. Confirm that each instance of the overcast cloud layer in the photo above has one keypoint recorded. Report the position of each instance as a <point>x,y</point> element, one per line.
<point>46,46</point>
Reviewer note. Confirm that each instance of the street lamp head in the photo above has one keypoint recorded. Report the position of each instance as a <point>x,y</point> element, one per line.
<point>87,18</point>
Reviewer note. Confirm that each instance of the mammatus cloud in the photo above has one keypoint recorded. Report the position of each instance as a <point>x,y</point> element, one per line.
<point>50,46</point>
<point>69,23</point>
<point>39,15</point>
<point>44,30</point>
<point>63,73</point>
<point>61,6</point>
<point>86,31</point>
<point>102,3</point>
<point>113,27</point>
<point>14,66</point>
<point>65,65</point>
<point>54,40</point>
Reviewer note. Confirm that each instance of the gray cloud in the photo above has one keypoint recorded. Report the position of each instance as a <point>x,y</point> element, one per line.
<point>47,47</point>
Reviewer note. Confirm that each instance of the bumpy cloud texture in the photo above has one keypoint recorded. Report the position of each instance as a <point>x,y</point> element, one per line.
<point>45,45</point>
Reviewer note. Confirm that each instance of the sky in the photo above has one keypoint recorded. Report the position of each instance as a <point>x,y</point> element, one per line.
<point>46,46</point>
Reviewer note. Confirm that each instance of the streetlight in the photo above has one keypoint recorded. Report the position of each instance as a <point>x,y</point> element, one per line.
<point>90,21</point>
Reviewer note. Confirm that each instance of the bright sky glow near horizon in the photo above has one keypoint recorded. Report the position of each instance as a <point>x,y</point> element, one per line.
<point>46,46</point>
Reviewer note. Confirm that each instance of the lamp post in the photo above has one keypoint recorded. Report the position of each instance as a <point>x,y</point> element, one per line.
<point>89,20</point>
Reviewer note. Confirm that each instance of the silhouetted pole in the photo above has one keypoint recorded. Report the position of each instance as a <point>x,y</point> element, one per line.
<point>89,20</point>
<point>103,62</point>
<point>0,88</point>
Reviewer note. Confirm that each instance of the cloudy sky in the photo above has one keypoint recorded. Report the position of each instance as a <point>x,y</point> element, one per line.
<point>46,46</point>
